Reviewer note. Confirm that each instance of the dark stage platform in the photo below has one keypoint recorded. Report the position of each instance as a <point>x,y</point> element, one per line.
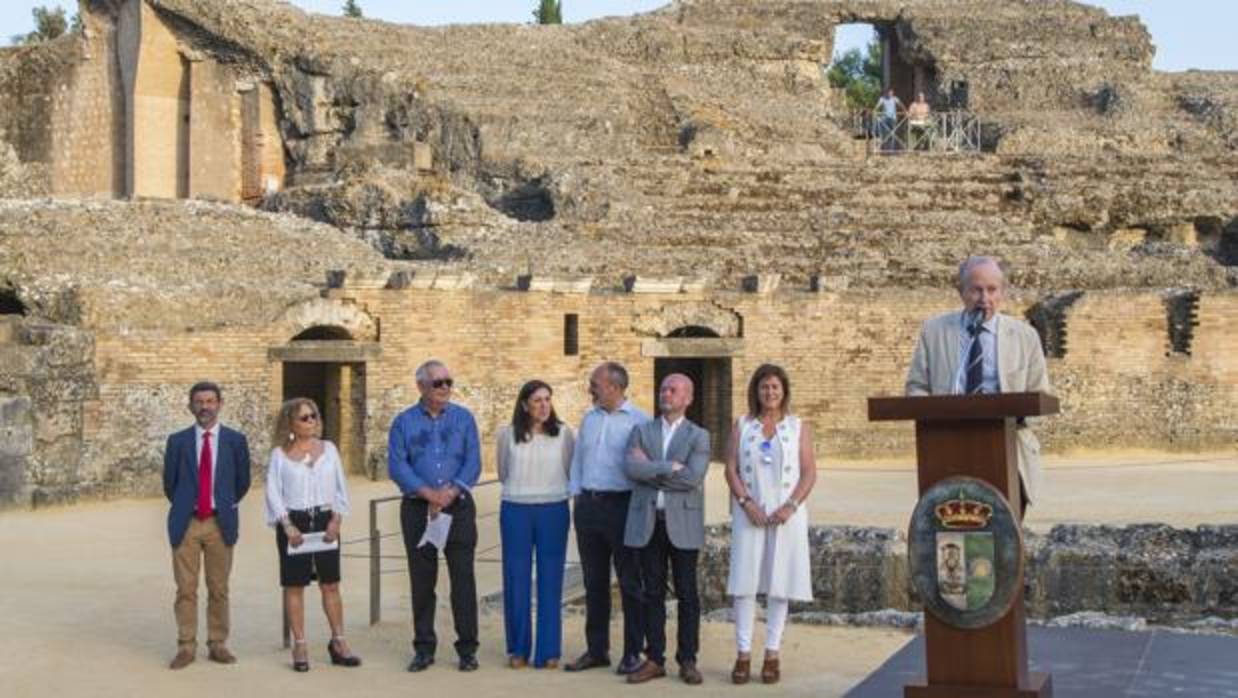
<point>1099,664</point>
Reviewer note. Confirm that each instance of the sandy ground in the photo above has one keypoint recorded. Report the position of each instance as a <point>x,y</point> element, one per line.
<point>87,604</point>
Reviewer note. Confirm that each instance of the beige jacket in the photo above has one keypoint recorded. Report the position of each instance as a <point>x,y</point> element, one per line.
<point>1020,368</point>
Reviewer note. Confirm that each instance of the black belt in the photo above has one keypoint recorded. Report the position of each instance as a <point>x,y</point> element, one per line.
<point>312,511</point>
<point>605,494</point>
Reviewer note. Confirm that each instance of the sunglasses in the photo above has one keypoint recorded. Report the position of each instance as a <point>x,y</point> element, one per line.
<point>308,418</point>
<point>442,383</point>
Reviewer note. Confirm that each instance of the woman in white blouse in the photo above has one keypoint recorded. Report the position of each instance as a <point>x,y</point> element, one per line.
<point>770,469</point>
<point>534,454</point>
<point>306,493</point>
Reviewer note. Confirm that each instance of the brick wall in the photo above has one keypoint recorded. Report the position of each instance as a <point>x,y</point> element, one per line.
<point>1118,385</point>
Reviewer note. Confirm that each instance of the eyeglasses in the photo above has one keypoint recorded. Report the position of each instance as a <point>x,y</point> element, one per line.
<point>308,418</point>
<point>442,383</point>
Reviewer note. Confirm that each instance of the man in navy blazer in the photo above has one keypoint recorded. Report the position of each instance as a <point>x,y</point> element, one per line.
<point>205,475</point>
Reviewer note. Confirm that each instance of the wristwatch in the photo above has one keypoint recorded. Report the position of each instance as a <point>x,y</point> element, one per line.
<point>743,500</point>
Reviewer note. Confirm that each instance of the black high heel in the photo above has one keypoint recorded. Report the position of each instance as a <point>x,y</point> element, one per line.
<point>299,665</point>
<point>338,659</point>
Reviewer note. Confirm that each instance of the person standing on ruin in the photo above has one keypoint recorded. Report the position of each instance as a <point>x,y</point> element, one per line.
<point>919,123</point>
<point>980,350</point>
<point>667,461</point>
<point>205,477</point>
<point>887,108</point>
<point>602,492</point>
<point>434,455</point>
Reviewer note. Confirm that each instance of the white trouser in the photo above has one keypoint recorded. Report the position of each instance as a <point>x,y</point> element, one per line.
<point>745,617</point>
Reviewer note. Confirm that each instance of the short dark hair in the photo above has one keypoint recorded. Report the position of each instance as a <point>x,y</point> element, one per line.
<point>616,373</point>
<point>765,371</point>
<point>522,423</point>
<point>205,387</point>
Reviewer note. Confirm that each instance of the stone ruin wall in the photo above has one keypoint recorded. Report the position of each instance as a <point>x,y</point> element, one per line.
<point>128,388</point>
<point>714,101</point>
<point>1149,572</point>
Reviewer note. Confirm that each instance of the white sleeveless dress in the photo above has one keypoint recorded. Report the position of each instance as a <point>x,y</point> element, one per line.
<point>772,560</point>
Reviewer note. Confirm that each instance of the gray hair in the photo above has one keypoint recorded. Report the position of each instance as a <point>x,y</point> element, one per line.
<point>423,371</point>
<point>616,373</point>
<point>978,260</point>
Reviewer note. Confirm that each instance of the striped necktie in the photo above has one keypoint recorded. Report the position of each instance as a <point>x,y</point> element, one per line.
<point>975,361</point>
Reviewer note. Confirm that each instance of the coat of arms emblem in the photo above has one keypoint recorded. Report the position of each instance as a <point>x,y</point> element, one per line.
<point>965,552</point>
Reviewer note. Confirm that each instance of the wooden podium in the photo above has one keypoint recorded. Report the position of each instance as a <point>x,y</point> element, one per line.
<point>973,436</point>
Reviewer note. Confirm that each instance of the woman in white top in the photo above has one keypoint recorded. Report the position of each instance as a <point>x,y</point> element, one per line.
<point>534,454</point>
<point>770,470</point>
<point>306,493</point>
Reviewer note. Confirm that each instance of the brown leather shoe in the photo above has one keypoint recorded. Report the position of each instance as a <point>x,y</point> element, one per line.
<point>517,662</point>
<point>221,655</point>
<point>647,671</point>
<point>770,671</point>
<point>690,674</point>
<point>551,664</point>
<point>742,671</point>
<point>184,657</point>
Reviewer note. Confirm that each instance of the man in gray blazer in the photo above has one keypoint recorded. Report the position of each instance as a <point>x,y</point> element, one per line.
<point>667,459</point>
<point>981,350</point>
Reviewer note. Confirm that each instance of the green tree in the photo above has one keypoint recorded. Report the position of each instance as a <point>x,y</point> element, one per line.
<point>48,24</point>
<point>858,74</point>
<point>352,9</point>
<point>549,12</point>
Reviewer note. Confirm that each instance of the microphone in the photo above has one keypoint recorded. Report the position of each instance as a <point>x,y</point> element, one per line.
<point>975,319</point>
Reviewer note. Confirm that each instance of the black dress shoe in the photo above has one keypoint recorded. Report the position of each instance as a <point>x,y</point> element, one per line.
<point>340,659</point>
<point>586,661</point>
<point>629,665</point>
<point>420,662</point>
<point>468,663</point>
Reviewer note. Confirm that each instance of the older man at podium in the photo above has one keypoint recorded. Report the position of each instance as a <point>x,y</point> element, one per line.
<point>980,350</point>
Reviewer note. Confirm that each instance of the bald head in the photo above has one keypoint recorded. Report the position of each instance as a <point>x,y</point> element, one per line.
<point>674,396</point>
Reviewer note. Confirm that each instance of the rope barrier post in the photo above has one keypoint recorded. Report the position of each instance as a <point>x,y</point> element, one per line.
<point>375,571</point>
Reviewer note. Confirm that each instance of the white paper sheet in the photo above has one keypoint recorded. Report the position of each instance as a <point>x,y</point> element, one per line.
<point>313,543</point>
<point>437,529</point>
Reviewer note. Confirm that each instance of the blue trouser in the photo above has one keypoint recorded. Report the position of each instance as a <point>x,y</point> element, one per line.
<point>525,528</point>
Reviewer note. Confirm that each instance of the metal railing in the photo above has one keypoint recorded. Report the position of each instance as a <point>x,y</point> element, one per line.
<point>955,131</point>
<point>375,556</point>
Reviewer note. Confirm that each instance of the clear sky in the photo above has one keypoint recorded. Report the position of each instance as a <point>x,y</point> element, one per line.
<point>1187,33</point>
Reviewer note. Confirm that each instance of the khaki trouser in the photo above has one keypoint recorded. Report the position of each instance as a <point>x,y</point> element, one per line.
<point>203,540</point>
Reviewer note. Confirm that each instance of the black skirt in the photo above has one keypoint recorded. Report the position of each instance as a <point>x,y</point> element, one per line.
<point>300,570</point>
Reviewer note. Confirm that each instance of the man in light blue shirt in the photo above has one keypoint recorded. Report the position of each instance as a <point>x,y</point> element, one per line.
<point>887,108</point>
<point>602,491</point>
<point>434,456</point>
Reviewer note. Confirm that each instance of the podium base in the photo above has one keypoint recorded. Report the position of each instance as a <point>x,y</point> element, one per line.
<point>1038,686</point>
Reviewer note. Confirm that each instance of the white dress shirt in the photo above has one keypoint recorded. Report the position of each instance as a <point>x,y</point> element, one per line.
<point>198,431</point>
<point>668,433</point>
<point>987,337</point>
<point>304,484</point>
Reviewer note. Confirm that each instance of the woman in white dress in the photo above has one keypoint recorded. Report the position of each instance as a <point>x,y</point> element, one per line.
<point>770,470</point>
<point>306,493</point>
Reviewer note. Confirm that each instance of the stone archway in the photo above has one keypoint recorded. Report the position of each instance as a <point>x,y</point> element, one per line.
<point>325,359</point>
<point>703,356</point>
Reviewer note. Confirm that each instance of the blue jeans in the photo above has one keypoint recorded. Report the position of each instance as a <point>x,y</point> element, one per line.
<point>525,528</point>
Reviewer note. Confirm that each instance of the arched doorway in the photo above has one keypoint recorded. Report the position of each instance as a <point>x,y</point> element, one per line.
<point>323,363</point>
<point>697,352</point>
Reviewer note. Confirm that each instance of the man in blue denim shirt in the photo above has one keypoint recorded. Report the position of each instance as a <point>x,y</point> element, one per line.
<point>602,491</point>
<point>433,454</point>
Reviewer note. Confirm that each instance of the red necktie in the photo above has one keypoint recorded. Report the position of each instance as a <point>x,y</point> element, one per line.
<point>204,478</point>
